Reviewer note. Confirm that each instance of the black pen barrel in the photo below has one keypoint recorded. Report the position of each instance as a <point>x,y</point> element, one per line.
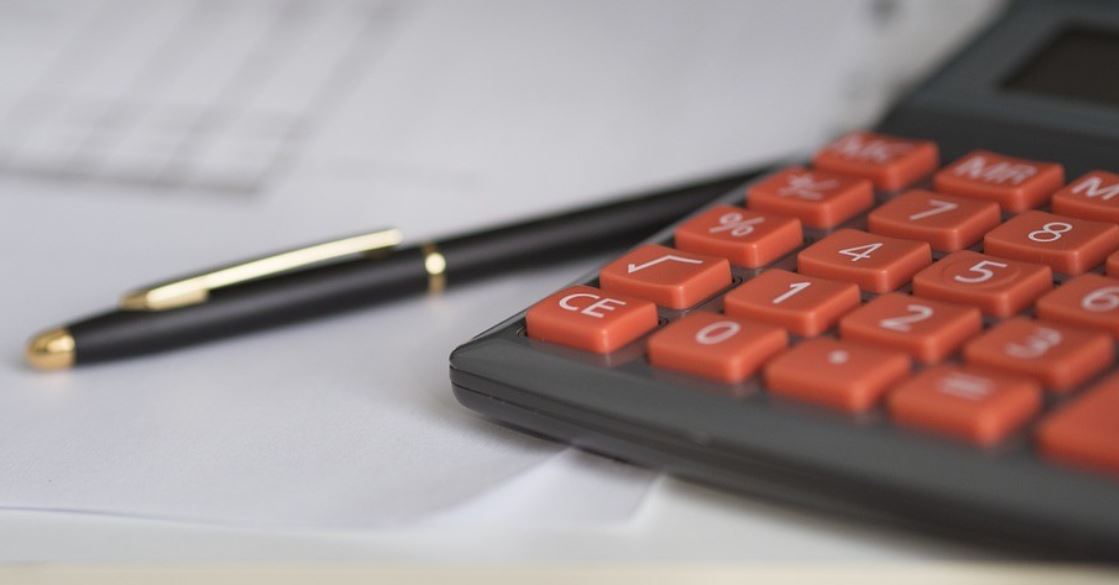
<point>251,307</point>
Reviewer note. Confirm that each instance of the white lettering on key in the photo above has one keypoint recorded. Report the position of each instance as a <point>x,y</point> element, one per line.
<point>666,258</point>
<point>1092,187</point>
<point>717,332</point>
<point>966,386</point>
<point>875,150</point>
<point>978,168</point>
<point>1036,345</point>
<point>805,187</point>
<point>592,310</point>
<point>937,206</point>
<point>736,225</point>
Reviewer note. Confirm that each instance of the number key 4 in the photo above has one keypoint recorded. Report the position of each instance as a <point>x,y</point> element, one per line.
<point>875,263</point>
<point>1067,245</point>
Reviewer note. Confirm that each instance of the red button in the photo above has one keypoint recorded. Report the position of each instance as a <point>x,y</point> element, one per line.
<point>1089,300</point>
<point>875,263</point>
<point>996,286</point>
<point>1067,245</point>
<point>837,374</point>
<point>947,222</point>
<point>1058,356</point>
<point>1015,184</point>
<point>927,330</point>
<point>746,238</point>
<point>975,406</point>
<point>890,162</point>
<point>804,305</point>
<point>586,318</point>
<point>668,277</point>
<point>1085,434</point>
<point>1093,196</point>
<point>818,198</point>
<point>715,346</point>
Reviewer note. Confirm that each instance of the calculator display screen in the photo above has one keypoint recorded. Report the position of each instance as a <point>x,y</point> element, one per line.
<point>1078,63</point>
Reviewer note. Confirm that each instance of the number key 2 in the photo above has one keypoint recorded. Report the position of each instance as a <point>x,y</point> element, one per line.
<point>1067,245</point>
<point>875,263</point>
<point>948,223</point>
<point>927,330</point>
<point>997,286</point>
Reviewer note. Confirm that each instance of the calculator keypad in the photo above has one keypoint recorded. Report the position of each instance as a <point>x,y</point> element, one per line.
<point>938,307</point>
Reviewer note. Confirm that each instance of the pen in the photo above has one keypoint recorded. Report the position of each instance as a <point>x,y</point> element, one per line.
<point>347,273</point>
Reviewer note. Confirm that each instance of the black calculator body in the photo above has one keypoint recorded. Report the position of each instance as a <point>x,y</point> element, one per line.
<point>1042,84</point>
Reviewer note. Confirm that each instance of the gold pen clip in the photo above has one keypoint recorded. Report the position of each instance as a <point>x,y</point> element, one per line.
<point>194,289</point>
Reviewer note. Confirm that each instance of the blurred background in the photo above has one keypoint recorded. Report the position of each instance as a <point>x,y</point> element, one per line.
<point>140,139</point>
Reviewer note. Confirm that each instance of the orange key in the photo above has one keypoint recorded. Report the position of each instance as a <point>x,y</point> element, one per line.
<point>837,374</point>
<point>1015,184</point>
<point>715,346</point>
<point>804,305</point>
<point>890,162</point>
<point>1113,264</point>
<point>1067,245</point>
<point>1059,357</point>
<point>1089,300</point>
<point>875,263</point>
<point>1084,434</point>
<point>996,286</point>
<point>667,277</point>
<point>947,222</point>
<point>746,238</point>
<point>818,198</point>
<point>927,330</point>
<point>1093,196</point>
<point>979,407</point>
<point>586,318</point>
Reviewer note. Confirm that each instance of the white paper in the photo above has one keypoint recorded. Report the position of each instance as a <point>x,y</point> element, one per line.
<point>139,140</point>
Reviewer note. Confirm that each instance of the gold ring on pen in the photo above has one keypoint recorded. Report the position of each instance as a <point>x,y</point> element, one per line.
<point>436,266</point>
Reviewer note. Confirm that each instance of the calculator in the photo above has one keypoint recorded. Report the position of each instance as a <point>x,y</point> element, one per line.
<point>917,324</point>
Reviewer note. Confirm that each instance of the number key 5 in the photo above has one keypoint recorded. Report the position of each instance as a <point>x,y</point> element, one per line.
<point>1067,245</point>
<point>996,286</point>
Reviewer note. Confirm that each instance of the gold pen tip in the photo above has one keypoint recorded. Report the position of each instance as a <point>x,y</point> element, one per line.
<point>51,350</point>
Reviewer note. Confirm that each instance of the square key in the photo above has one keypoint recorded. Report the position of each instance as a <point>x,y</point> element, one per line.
<point>715,346</point>
<point>746,238</point>
<point>1015,184</point>
<point>836,374</point>
<point>891,163</point>
<point>802,304</point>
<point>586,318</point>
<point>1089,300</point>
<point>947,222</point>
<point>1067,245</point>
<point>875,263</point>
<point>1093,196</point>
<point>1059,357</point>
<point>929,331</point>
<point>976,406</point>
<point>668,277</point>
<point>996,286</point>
<point>818,198</point>
<point>1084,433</point>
